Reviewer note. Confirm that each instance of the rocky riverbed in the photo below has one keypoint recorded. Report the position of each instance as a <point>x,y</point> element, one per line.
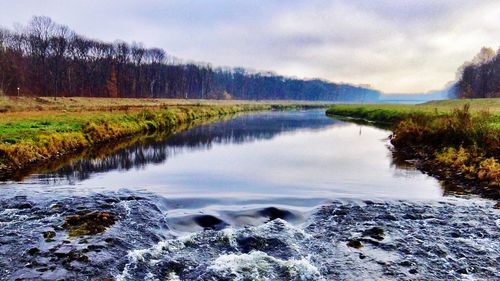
<point>128,235</point>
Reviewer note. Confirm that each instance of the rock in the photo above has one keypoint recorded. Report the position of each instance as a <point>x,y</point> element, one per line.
<point>340,212</point>
<point>89,223</point>
<point>63,251</point>
<point>25,205</point>
<point>413,271</point>
<point>33,251</point>
<point>361,256</point>
<point>248,244</point>
<point>375,233</point>
<point>48,235</point>
<point>353,243</point>
<point>412,217</point>
<point>463,270</point>
<point>387,217</point>
<point>406,263</point>
<point>67,257</point>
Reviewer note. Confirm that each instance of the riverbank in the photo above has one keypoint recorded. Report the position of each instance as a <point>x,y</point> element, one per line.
<point>455,141</point>
<point>33,130</point>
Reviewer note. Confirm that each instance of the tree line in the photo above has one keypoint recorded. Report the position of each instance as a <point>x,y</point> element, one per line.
<point>480,78</point>
<point>44,58</point>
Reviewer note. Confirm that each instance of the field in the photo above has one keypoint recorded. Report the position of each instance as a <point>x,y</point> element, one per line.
<point>81,104</point>
<point>36,129</point>
<point>457,140</point>
<point>397,112</point>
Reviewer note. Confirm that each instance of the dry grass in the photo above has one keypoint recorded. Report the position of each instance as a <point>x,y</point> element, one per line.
<point>80,104</point>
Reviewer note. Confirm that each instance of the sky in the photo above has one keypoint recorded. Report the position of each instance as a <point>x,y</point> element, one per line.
<point>396,46</point>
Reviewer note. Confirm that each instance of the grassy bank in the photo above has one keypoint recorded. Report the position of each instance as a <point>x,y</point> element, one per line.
<point>37,129</point>
<point>457,141</point>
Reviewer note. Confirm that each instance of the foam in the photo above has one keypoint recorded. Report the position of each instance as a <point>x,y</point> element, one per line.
<point>258,265</point>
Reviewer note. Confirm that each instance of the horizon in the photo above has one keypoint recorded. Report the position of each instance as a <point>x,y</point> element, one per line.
<point>433,39</point>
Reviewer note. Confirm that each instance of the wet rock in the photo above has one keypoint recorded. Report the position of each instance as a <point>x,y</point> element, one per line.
<point>48,235</point>
<point>413,271</point>
<point>62,251</point>
<point>24,205</point>
<point>95,248</point>
<point>387,217</point>
<point>83,241</point>
<point>340,212</point>
<point>210,222</point>
<point>406,263</point>
<point>353,243</point>
<point>263,244</point>
<point>375,233</point>
<point>71,256</point>
<point>463,270</point>
<point>89,223</point>
<point>33,251</point>
<point>274,213</point>
<point>362,256</point>
<point>412,216</point>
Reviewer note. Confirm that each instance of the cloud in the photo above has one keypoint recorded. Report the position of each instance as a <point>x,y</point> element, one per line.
<point>396,46</point>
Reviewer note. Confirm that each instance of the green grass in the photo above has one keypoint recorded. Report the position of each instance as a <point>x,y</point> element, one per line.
<point>393,113</point>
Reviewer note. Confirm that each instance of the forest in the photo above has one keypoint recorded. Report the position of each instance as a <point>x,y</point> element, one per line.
<point>44,58</point>
<point>481,77</point>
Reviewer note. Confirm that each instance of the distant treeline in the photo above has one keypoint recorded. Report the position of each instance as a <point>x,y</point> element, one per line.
<point>481,77</point>
<point>48,59</point>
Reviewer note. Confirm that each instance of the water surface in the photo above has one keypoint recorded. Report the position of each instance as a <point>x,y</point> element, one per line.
<point>265,156</point>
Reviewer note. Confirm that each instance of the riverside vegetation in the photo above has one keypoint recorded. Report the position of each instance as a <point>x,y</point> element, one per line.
<point>457,141</point>
<point>37,129</point>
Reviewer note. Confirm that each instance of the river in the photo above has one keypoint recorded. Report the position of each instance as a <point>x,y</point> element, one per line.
<point>281,195</point>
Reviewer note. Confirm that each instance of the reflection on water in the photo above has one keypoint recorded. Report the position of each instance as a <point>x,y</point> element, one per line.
<point>299,154</point>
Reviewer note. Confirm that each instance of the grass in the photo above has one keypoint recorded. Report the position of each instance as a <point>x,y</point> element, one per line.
<point>456,139</point>
<point>81,104</point>
<point>392,113</point>
<point>35,129</point>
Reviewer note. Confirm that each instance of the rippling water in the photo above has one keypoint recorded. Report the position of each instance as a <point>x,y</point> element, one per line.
<point>273,195</point>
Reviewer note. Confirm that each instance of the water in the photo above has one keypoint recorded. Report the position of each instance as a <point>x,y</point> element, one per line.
<point>273,195</point>
<point>258,156</point>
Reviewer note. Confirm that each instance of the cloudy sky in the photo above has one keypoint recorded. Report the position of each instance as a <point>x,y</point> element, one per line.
<point>397,46</point>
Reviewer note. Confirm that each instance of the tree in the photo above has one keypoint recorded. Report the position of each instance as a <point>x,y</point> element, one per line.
<point>45,58</point>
